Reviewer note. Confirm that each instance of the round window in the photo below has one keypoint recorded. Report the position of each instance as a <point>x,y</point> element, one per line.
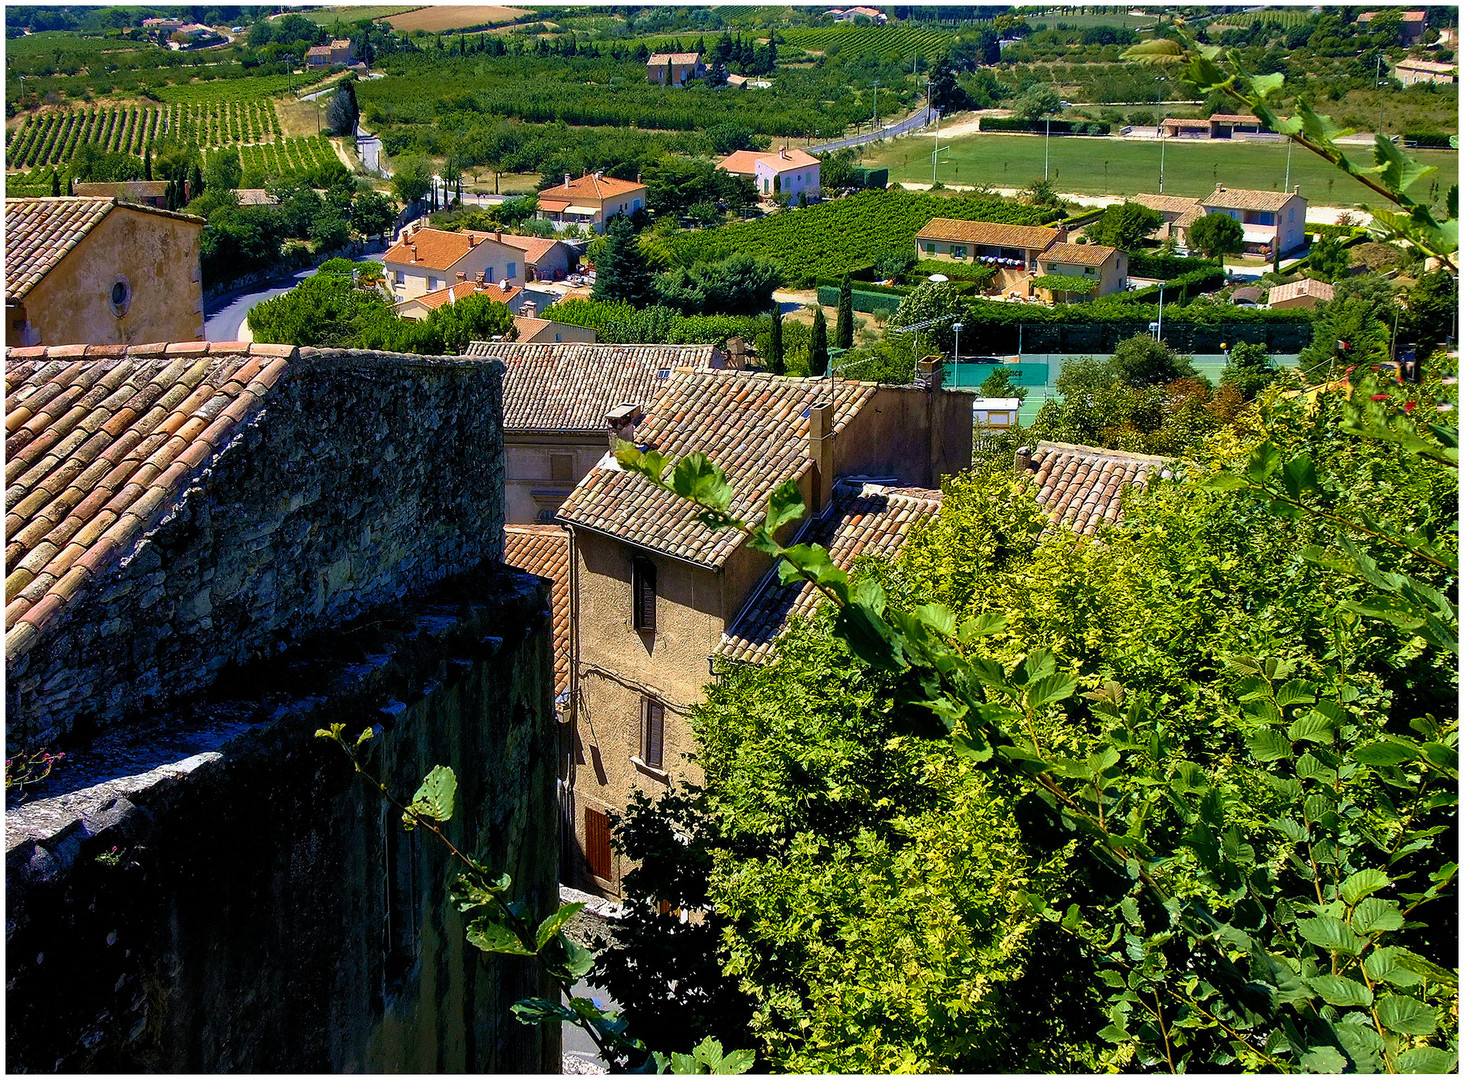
<point>121,296</point>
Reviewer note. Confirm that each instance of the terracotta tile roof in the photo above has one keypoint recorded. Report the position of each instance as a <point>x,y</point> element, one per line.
<point>438,249</point>
<point>754,425</point>
<point>1166,204</point>
<point>1432,66</point>
<point>1185,122</point>
<point>740,161</point>
<point>988,233</point>
<point>673,58</point>
<point>533,247</point>
<point>1190,216</point>
<point>1408,16</point>
<point>861,519</point>
<point>453,293</point>
<point>1247,199</point>
<point>40,232</point>
<point>794,159</point>
<point>101,440</point>
<point>543,550</point>
<point>1305,287</point>
<point>1246,292</point>
<point>1078,254</point>
<point>134,189</point>
<point>1083,486</point>
<point>591,187</point>
<point>1233,118</point>
<point>570,386</point>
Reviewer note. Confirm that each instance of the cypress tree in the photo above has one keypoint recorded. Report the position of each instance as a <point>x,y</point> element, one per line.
<point>55,182</point>
<point>844,327</point>
<point>147,162</point>
<point>818,346</point>
<point>621,272</point>
<point>775,343</point>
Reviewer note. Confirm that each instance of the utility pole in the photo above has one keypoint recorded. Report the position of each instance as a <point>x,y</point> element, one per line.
<point>1377,84</point>
<point>1046,142</point>
<point>1161,160</point>
<point>876,106</point>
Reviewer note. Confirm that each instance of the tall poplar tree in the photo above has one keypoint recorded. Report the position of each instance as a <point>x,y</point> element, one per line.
<point>844,327</point>
<point>818,346</point>
<point>775,343</point>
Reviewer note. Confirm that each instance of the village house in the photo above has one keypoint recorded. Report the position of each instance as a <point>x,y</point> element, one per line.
<point>787,171</point>
<point>1178,213</point>
<point>419,307</point>
<point>555,400</point>
<point>99,271</point>
<point>1268,217</point>
<point>1306,293</point>
<point>544,259</point>
<point>995,414</point>
<point>1411,33</point>
<point>534,330</point>
<point>591,200</point>
<point>675,69</point>
<point>1412,72</point>
<point>1011,249</point>
<point>214,550</point>
<point>142,192</point>
<point>339,51</point>
<point>426,260</point>
<point>1101,269</point>
<point>657,589</point>
<point>854,14</point>
<point>1082,487</point>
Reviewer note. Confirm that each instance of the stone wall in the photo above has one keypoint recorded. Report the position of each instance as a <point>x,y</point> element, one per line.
<point>217,891</point>
<point>364,477</point>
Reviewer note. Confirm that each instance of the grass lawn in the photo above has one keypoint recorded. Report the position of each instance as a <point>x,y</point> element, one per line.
<point>1090,19</point>
<point>1103,166</point>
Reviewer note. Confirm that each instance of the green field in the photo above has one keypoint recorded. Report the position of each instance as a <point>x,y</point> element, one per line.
<point>1106,166</point>
<point>329,16</point>
<point>1090,19</point>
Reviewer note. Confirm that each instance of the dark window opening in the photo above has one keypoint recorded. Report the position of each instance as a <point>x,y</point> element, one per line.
<point>643,594</point>
<point>597,842</point>
<point>561,468</point>
<point>653,732</point>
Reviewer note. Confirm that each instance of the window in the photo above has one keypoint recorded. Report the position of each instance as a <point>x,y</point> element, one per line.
<point>643,593</point>
<point>513,270</point>
<point>653,732</point>
<point>958,251</point>
<point>597,843</point>
<point>561,468</point>
<point>121,296</point>
<point>400,277</point>
<point>490,275</point>
<point>431,284</point>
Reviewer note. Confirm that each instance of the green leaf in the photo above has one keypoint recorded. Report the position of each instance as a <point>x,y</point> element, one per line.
<point>1264,460</point>
<point>1156,51</point>
<point>1375,915</point>
<point>1336,990</point>
<point>1427,1059</point>
<point>1406,1015</point>
<point>550,926</point>
<point>1268,745</point>
<point>697,479</point>
<point>1050,688</point>
<point>785,504</point>
<point>1313,727</point>
<point>979,626</point>
<point>869,638</point>
<point>495,937</point>
<point>1382,965</point>
<point>1331,934</point>
<point>1323,1059</point>
<point>542,1011</point>
<point>938,617</point>
<point>1363,883</point>
<point>434,799</point>
<point>1224,481</point>
<point>1396,170</point>
<point>1294,691</point>
<point>1390,751</point>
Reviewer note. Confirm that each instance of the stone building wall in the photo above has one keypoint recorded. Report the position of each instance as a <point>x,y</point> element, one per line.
<point>217,891</point>
<point>362,478</point>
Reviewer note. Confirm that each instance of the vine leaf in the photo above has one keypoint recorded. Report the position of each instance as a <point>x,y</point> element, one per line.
<point>435,799</point>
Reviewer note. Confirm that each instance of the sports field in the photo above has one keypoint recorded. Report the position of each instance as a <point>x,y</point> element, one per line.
<point>1109,166</point>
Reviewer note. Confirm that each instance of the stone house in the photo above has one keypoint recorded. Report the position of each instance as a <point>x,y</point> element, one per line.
<point>84,270</point>
<point>787,171</point>
<point>1107,266</point>
<point>1415,22</point>
<point>1412,72</point>
<point>1011,249</point>
<point>339,51</point>
<point>426,260</point>
<point>1268,217</point>
<point>213,550</point>
<point>675,69</point>
<point>591,200</point>
<point>657,589</point>
<point>556,399</point>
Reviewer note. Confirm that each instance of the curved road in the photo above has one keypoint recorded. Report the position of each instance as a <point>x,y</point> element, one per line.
<point>224,317</point>
<point>911,123</point>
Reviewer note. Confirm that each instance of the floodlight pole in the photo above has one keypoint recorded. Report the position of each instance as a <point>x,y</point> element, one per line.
<point>1046,142</point>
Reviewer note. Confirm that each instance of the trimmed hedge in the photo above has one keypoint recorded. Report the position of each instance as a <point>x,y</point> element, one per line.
<point>1335,232</point>
<point>955,271</point>
<point>868,302</point>
<point>863,286</point>
<point>1179,289</point>
<point>1165,267</point>
<point>1428,140</point>
<point>1039,127</point>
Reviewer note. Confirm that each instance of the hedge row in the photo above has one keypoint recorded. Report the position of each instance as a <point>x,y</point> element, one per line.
<point>1040,127</point>
<point>863,285</point>
<point>870,303</point>
<point>1335,232</point>
<point>1436,140</point>
<point>1165,267</point>
<point>1099,326</point>
<point>1181,288</point>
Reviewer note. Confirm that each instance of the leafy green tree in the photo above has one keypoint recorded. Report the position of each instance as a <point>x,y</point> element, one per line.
<point>1126,225</point>
<point>945,93</point>
<point>224,170</point>
<point>844,324</point>
<point>1328,260</point>
<point>412,178</point>
<point>775,345</point>
<point>1215,235</point>
<point>1041,192</point>
<point>1038,101</point>
<point>1432,311</point>
<point>727,138</point>
<point>1249,368</point>
<point>1346,334</point>
<point>737,285</point>
<point>818,349</point>
<point>999,384</point>
<point>621,270</point>
<point>1142,361</point>
<point>933,300</point>
<point>372,214</point>
<point>330,230</point>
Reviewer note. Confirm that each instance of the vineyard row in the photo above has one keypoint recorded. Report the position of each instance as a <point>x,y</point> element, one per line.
<point>52,138</point>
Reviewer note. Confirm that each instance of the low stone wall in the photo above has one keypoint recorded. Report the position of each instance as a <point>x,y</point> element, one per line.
<point>220,892</point>
<point>363,478</point>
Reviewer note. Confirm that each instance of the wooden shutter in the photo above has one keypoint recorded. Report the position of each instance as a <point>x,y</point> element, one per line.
<point>597,842</point>
<point>643,594</point>
<point>653,732</point>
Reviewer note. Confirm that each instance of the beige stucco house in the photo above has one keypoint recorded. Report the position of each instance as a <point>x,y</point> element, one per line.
<point>675,69</point>
<point>1413,72</point>
<point>591,200</point>
<point>1267,217</point>
<point>100,272</point>
<point>657,590</point>
<point>1011,249</point>
<point>1306,293</point>
<point>1089,263</point>
<point>427,260</point>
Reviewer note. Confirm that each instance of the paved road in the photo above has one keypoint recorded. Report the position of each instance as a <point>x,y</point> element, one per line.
<point>224,319</point>
<point>889,131</point>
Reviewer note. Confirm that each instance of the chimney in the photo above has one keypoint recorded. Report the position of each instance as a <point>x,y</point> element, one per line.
<point>414,252</point>
<point>498,235</point>
<point>472,240</point>
<point>1296,189</point>
<point>482,277</point>
<point>529,310</point>
<point>566,179</point>
<point>621,421</point>
<point>930,373</point>
<point>821,453</point>
<point>1023,463</point>
<point>461,277</point>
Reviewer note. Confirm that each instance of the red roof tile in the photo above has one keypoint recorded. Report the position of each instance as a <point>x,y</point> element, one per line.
<point>543,550</point>
<point>1083,486</point>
